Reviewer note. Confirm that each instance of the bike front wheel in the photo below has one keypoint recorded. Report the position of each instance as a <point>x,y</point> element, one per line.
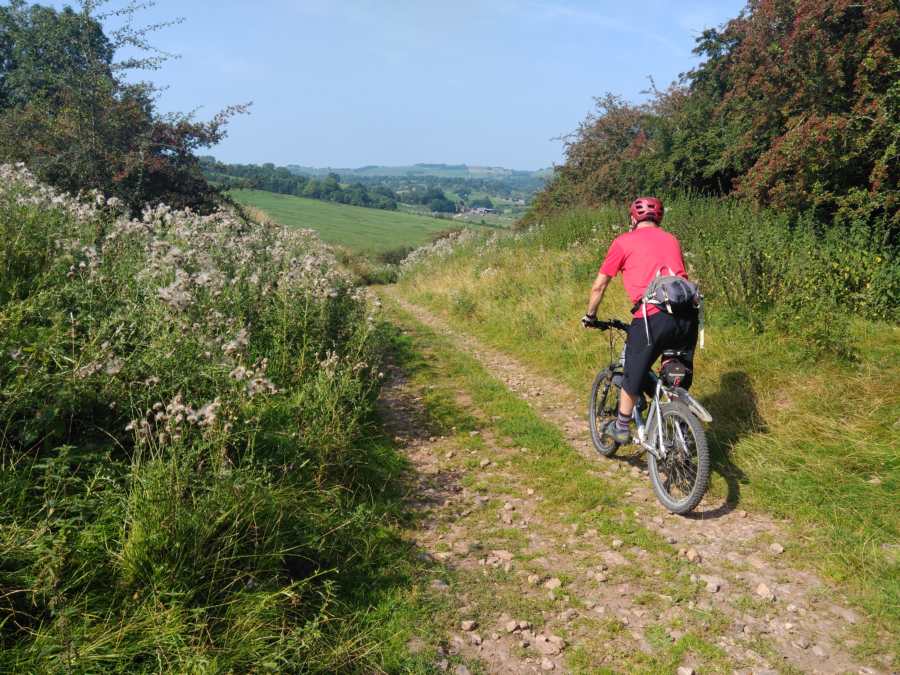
<point>604,407</point>
<point>681,479</point>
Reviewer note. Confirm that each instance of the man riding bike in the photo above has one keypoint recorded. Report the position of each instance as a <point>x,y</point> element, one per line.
<point>642,254</point>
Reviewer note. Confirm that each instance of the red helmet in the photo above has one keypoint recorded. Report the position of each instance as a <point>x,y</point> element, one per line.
<point>647,208</point>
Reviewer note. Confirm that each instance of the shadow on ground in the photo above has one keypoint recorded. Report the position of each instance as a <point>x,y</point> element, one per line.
<point>735,412</point>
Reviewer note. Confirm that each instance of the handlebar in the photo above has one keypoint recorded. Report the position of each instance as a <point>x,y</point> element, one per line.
<point>606,325</point>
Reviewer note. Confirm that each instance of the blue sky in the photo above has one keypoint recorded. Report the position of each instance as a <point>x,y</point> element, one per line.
<point>354,82</point>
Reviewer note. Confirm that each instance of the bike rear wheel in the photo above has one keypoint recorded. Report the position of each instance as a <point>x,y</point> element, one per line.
<point>604,406</point>
<point>681,479</point>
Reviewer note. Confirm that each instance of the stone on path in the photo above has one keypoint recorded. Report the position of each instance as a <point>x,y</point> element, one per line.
<point>547,664</point>
<point>549,645</point>
<point>776,548</point>
<point>685,670</point>
<point>617,543</point>
<point>614,558</point>
<point>765,592</point>
<point>469,625</point>
<point>484,463</point>
<point>552,583</point>
<point>692,555</point>
<point>713,584</point>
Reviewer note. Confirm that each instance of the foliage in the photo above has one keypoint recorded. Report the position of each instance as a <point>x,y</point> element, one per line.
<point>186,405</point>
<point>431,197</point>
<point>67,111</point>
<point>481,202</point>
<point>280,180</point>
<point>795,105</point>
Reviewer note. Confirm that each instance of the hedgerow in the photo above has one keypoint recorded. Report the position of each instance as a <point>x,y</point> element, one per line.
<point>795,105</point>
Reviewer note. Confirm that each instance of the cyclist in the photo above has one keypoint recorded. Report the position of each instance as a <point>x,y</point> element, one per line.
<point>640,254</point>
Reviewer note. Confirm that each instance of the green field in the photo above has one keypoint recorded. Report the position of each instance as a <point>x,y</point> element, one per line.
<point>360,229</point>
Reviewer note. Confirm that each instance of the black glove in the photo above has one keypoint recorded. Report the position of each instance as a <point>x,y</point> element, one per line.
<point>589,321</point>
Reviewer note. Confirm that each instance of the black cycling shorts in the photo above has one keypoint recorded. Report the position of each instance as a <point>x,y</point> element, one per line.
<point>666,332</point>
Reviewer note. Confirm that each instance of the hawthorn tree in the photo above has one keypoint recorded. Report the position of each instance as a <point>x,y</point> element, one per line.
<point>68,113</point>
<point>796,105</point>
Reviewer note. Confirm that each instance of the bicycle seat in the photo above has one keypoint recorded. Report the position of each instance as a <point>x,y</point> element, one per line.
<point>673,353</point>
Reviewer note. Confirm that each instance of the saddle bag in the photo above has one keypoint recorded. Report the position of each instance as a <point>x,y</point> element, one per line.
<point>673,371</point>
<point>672,294</point>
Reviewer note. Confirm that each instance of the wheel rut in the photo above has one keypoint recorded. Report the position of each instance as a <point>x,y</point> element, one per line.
<point>778,617</point>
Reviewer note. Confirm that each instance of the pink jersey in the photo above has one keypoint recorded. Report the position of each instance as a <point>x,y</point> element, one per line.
<point>639,254</point>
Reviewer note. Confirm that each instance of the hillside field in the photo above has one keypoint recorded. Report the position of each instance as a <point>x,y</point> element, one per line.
<point>360,229</point>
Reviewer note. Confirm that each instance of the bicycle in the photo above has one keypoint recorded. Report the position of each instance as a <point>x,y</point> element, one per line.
<point>669,430</point>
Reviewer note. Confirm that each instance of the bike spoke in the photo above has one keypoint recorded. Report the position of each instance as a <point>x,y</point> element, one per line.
<point>679,467</point>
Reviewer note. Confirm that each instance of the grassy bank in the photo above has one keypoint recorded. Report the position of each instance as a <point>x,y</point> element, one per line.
<point>809,438</point>
<point>360,229</point>
<point>193,478</point>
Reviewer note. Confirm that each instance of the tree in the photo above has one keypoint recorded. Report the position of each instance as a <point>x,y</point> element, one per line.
<point>796,104</point>
<point>66,111</point>
<point>482,202</point>
<point>313,189</point>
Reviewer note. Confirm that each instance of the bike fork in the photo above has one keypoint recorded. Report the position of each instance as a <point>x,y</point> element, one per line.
<point>653,428</point>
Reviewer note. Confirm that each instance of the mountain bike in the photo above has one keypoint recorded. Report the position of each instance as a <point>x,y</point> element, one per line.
<point>668,427</point>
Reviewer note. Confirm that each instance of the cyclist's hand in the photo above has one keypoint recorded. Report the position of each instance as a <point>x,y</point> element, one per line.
<point>589,321</point>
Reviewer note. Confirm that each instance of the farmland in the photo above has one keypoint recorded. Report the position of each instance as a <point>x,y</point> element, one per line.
<point>360,229</point>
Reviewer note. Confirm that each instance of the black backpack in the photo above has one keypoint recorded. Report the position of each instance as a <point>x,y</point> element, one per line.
<point>672,294</point>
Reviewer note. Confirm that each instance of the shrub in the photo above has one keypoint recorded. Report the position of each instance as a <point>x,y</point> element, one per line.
<point>67,111</point>
<point>186,404</point>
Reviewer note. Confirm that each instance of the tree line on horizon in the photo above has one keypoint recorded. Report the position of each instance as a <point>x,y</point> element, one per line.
<point>333,188</point>
<point>281,180</point>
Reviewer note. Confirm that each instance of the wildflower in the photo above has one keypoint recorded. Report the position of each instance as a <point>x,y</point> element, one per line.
<point>238,343</point>
<point>261,385</point>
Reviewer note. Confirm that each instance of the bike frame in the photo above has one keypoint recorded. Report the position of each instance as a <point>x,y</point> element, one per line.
<point>650,435</point>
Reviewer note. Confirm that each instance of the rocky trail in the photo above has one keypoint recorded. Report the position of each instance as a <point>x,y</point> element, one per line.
<point>538,586</point>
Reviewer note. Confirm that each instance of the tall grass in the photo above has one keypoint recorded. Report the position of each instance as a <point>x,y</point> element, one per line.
<point>191,479</point>
<point>798,375</point>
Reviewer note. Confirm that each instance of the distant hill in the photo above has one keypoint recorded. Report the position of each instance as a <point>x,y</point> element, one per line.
<point>437,170</point>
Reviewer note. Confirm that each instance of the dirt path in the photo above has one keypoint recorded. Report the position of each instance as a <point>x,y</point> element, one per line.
<point>761,613</point>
